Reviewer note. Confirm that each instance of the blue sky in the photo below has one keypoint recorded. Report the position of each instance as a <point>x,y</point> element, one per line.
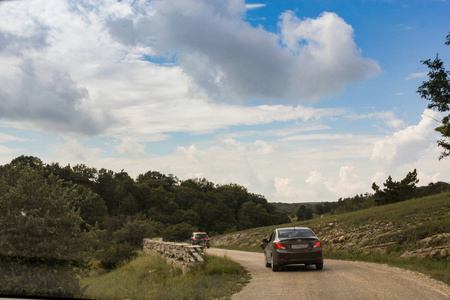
<point>296,100</point>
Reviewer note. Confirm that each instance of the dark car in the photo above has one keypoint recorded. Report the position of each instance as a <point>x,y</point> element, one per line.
<point>200,238</point>
<point>292,245</point>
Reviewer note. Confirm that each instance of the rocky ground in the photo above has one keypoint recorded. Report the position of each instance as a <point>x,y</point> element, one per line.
<point>413,229</point>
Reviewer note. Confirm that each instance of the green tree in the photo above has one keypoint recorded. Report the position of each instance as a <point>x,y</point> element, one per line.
<point>135,230</point>
<point>304,213</point>
<point>437,91</point>
<point>395,191</point>
<point>178,232</point>
<point>42,245</point>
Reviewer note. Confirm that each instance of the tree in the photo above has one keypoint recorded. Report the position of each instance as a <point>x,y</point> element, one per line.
<point>42,244</point>
<point>304,213</point>
<point>437,90</point>
<point>178,232</point>
<point>396,191</point>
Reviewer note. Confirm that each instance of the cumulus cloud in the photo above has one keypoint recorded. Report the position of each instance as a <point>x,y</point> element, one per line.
<point>229,59</point>
<point>347,183</point>
<point>80,66</point>
<point>424,178</point>
<point>47,96</point>
<point>74,151</point>
<point>131,147</point>
<point>406,146</point>
<point>315,177</point>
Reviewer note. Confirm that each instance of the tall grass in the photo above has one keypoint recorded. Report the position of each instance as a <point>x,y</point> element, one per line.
<point>151,277</point>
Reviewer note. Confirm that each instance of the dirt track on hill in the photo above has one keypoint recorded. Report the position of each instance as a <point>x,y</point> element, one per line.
<point>337,280</point>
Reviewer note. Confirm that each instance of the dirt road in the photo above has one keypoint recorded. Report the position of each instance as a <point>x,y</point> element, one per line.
<point>337,280</point>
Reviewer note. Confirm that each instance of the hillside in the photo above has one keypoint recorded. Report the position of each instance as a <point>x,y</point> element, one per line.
<point>414,234</point>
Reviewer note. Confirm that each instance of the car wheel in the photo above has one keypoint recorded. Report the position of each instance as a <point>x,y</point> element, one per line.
<point>274,267</point>
<point>268,265</point>
<point>319,266</point>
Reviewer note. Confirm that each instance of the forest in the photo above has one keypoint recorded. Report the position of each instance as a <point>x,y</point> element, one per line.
<point>56,220</point>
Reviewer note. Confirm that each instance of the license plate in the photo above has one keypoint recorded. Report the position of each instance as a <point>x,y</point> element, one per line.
<point>301,246</point>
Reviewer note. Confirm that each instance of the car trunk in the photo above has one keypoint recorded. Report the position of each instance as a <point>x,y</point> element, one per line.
<point>299,244</point>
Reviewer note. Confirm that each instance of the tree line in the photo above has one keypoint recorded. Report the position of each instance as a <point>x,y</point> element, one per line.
<point>392,192</point>
<point>55,220</point>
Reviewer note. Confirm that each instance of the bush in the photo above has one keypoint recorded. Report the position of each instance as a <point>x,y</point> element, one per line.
<point>178,233</point>
<point>117,254</point>
<point>134,231</point>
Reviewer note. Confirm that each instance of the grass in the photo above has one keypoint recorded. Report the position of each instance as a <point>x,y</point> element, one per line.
<point>149,276</point>
<point>403,234</point>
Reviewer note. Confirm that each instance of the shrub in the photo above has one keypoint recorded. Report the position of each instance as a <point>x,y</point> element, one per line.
<point>117,254</point>
<point>178,233</point>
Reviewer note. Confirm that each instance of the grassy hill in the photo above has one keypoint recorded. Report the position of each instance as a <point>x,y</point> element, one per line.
<point>413,234</point>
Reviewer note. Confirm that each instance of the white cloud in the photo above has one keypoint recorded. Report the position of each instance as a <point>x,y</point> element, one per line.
<point>315,177</point>
<point>387,116</point>
<point>254,6</point>
<point>77,66</point>
<point>191,153</point>
<point>7,150</point>
<point>10,138</point>
<point>347,183</point>
<point>233,60</point>
<point>326,55</point>
<point>75,151</point>
<point>131,147</point>
<point>425,179</point>
<point>416,75</point>
<point>264,147</point>
<point>406,146</point>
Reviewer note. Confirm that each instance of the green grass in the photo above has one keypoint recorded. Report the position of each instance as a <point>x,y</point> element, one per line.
<point>403,234</point>
<point>150,277</point>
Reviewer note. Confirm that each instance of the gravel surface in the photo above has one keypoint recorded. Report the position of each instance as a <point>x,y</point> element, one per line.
<point>337,280</point>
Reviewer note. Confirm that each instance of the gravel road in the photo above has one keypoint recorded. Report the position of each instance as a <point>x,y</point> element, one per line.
<point>337,280</point>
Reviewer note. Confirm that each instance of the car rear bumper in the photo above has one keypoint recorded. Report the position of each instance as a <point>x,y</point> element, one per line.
<point>289,258</point>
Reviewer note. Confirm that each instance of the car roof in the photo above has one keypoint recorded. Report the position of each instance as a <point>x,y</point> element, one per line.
<point>293,228</point>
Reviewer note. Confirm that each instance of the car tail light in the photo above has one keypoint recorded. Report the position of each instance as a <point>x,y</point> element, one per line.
<point>279,246</point>
<point>195,239</point>
<point>318,245</point>
<point>207,239</point>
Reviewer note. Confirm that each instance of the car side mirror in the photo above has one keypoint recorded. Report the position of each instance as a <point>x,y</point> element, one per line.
<point>264,243</point>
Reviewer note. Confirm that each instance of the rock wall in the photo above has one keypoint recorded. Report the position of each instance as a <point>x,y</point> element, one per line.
<point>180,255</point>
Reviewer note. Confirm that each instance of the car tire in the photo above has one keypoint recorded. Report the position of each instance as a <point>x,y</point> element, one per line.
<point>319,266</point>
<point>268,265</point>
<point>275,268</point>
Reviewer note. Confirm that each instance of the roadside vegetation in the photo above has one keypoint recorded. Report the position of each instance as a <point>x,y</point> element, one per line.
<point>57,222</point>
<point>149,276</point>
<point>412,234</point>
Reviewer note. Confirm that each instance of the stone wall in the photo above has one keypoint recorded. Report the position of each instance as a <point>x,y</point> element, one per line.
<point>180,255</point>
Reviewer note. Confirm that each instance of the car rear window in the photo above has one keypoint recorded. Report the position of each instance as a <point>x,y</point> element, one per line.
<point>201,235</point>
<point>295,233</point>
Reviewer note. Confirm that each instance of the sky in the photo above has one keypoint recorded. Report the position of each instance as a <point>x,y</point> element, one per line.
<point>299,101</point>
